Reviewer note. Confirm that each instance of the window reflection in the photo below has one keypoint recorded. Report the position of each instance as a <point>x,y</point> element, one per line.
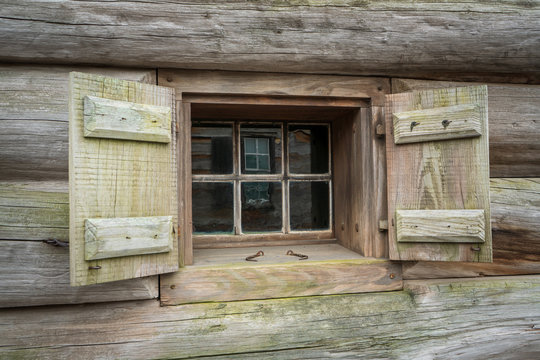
<point>308,149</point>
<point>211,149</point>
<point>261,206</point>
<point>261,149</point>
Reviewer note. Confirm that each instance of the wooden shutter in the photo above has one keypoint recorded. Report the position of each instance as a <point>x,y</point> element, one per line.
<point>122,180</point>
<point>438,175</point>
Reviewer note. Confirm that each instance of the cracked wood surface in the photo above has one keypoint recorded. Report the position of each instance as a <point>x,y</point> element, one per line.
<point>422,39</point>
<point>443,319</point>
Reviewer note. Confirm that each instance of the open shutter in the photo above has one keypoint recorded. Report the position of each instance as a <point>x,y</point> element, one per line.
<point>438,175</point>
<point>122,180</point>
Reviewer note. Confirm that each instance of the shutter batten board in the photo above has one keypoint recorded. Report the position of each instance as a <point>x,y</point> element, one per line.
<point>442,123</point>
<point>461,226</point>
<point>112,178</point>
<point>113,119</point>
<point>116,237</point>
<point>439,175</point>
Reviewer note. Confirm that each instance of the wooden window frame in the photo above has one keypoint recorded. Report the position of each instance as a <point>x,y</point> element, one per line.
<point>284,177</point>
<point>223,274</point>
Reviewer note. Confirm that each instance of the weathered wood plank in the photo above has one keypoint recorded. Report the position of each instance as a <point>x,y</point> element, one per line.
<point>266,83</point>
<point>224,275</point>
<point>514,129</point>
<point>112,119</point>
<point>398,38</point>
<point>34,210</point>
<point>515,221</point>
<point>454,226</point>
<point>116,237</point>
<point>439,175</point>
<point>34,115</point>
<point>450,122</point>
<point>111,178</point>
<point>443,319</point>
<point>34,273</point>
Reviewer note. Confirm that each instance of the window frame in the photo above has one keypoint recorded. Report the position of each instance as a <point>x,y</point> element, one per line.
<point>284,177</point>
<point>196,88</point>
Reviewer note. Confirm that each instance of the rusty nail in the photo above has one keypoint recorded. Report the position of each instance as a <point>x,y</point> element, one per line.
<point>445,123</point>
<point>392,276</point>
<point>97,267</point>
<point>169,79</point>
<point>413,124</point>
<point>173,286</point>
<point>475,248</point>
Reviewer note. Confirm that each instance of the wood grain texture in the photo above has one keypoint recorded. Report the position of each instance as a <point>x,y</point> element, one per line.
<point>116,237</point>
<point>514,128</point>
<point>454,226</point>
<point>443,319</point>
<point>34,273</point>
<point>275,84</point>
<point>406,38</point>
<point>515,221</point>
<point>34,210</point>
<point>111,119</point>
<point>34,118</point>
<point>116,178</point>
<point>450,122</point>
<point>224,275</point>
<point>440,175</point>
<point>360,182</point>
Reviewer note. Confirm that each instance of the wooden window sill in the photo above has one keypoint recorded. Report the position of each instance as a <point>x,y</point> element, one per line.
<point>225,275</point>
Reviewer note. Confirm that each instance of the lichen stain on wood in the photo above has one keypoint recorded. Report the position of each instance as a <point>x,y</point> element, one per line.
<point>480,318</point>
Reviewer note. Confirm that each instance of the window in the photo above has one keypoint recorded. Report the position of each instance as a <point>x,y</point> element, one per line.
<point>253,179</point>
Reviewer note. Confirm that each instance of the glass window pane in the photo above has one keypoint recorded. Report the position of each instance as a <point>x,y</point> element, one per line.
<point>251,145</point>
<point>309,205</point>
<point>261,206</point>
<point>267,141</point>
<point>251,162</point>
<point>308,149</point>
<point>212,208</point>
<point>264,162</point>
<point>262,146</point>
<point>211,149</point>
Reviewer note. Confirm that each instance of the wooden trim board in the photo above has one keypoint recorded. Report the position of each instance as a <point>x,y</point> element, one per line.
<point>225,275</point>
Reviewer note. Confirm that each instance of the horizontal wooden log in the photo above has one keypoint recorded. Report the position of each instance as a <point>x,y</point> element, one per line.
<point>441,226</point>
<point>34,115</point>
<point>224,275</point>
<point>35,273</point>
<point>413,39</point>
<point>34,210</point>
<point>443,319</point>
<point>451,122</point>
<point>514,129</point>
<point>114,237</point>
<point>112,119</point>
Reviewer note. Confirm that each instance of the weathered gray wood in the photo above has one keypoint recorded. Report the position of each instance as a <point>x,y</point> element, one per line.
<point>112,119</point>
<point>439,175</point>
<point>111,178</point>
<point>116,237</point>
<point>224,275</point>
<point>34,210</point>
<point>413,39</point>
<point>454,226</point>
<point>514,129</point>
<point>34,273</point>
<point>515,220</point>
<point>450,122</point>
<point>444,319</point>
<point>34,115</point>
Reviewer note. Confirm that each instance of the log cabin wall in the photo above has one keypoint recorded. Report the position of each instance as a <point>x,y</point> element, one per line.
<point>483,310</point>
